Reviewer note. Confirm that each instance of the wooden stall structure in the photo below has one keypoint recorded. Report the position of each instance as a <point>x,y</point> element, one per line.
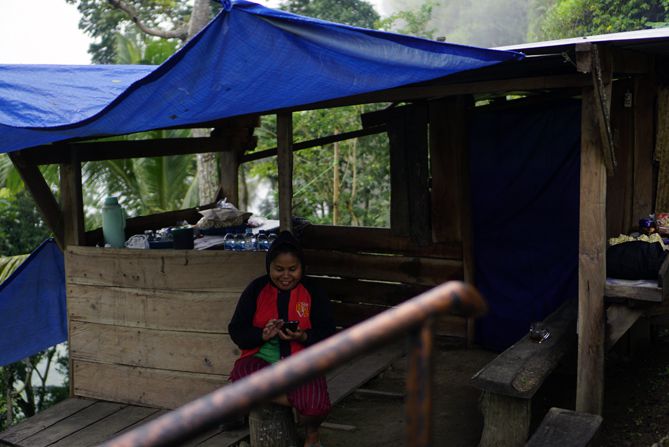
<point>149,327</point>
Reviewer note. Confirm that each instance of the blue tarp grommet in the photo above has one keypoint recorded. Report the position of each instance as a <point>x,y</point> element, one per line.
<point>227,4</point>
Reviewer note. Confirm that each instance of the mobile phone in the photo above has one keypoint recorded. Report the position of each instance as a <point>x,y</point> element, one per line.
<point>291,325</point>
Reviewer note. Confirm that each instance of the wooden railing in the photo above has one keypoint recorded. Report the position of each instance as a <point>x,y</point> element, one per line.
<point>413,317</point>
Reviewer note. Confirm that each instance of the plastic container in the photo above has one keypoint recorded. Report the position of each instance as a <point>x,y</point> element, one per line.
<point>229,241</point>
<point>262,241</point>
<point>250,242</point>
<point>270,239</point>
<point>183,238</point>
<point>239,242</point>
<point>113,223</point>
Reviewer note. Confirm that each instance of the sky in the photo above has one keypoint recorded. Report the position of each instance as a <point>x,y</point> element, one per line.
<point>46,32</point>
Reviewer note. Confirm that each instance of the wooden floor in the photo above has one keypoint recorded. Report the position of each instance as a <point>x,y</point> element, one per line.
<point>79,422</point>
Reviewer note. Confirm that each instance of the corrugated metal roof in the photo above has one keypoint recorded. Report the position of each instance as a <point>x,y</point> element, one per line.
<point>648,40</point>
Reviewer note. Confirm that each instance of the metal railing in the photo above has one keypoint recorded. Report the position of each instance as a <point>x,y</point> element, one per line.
<point>414,317</point>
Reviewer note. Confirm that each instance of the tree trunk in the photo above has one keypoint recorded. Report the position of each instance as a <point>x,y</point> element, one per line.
<point>354,182</point>
<point>199,18</point>
<point>272,425</point>
<point>207,168</point>
<point>335,184</point>
<point>207,173</point>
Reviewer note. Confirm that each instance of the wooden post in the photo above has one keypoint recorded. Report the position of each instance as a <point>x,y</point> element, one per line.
<point>451,197</point>
<point>409,176</point>
<point>645,90</point>
<point>591,263</point>
<point>72,202</point>
<point>507,420</point>
<point>44,199</point>
<point>284,132</point>
<point>419,387</point>
<point>272,425</point>
<point>229,175</point>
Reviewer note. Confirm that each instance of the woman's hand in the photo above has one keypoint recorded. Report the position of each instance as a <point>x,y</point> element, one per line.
<point>271,329</point>
<point>298,335</point>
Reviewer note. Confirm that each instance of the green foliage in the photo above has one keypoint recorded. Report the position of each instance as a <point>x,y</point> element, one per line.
<point>136,48</point>
<point>10,263</point>
<point>537,12</point>
<point>24,385</point>
<point>490,23</point>
<point>104,22</point>
<point>573,18</point>
<point>485,23</point>
<point>412,22</point>
<point>143,185</point>
<point>21,226</point>
<point>351,12</point>
<point>353,191</point>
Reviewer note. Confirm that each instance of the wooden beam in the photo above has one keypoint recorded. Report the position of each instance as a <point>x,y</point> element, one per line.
<point>619,187</point>
<point>645,90</point>
<point>592,262</point>
<point>284,132</point>
<point>116,150</point>
<point>597,61</point>
<point>630,62</point>
<point>602,80</point>
<point>619,318</point>
<point>446,152</point>
<point>373,240</point>
<point>410,199</point>
<point>525,84</point>
<point>315,143</point>
<point>44,198</point>
<point>72,201</point>
<point>662,150</point>
<point>229,176</point>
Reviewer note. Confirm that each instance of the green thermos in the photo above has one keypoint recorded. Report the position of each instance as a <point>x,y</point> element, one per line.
<point>113,223</point>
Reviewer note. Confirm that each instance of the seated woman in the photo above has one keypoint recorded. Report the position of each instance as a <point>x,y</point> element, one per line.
<point>257,327</point>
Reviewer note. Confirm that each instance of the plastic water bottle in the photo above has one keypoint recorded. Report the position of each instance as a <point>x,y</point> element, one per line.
<point>249,240</point>
<point>239,242</point>
<point>270,239</point>
<point>229,241</point>
<point>113,223</point>
<point>262,241</point>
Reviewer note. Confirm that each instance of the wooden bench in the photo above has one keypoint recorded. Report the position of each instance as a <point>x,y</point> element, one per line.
<point>509,382</point>
<point>562,428</point>
<point>656,292</point>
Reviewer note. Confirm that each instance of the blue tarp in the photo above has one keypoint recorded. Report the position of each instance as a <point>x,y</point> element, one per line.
<point>525,165</point>
<point>249,59</point>
<point>32,305</point>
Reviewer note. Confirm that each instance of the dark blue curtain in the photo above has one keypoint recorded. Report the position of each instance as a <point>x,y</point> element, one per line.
<point>32,305</point>
<point>525,198</point>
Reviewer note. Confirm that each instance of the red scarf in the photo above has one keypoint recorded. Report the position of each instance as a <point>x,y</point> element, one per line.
<point>299,308</point>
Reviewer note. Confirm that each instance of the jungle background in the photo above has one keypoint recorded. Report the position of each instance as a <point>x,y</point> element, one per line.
<point>346,183</point>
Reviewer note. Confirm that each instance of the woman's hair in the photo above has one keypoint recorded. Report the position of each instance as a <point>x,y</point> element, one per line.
<point>284,243</point>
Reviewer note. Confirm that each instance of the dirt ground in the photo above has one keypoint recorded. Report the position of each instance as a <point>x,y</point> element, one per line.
<point>379,421</point>
<point>636,409</point>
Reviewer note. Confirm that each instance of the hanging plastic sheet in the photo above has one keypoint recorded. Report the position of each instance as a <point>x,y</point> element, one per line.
<point>249,59</point>
<point>525,196</point>
<point>32,305</point>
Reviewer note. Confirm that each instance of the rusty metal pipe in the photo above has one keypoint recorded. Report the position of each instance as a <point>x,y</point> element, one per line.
<point>419,386</point>
<point>207,411</point>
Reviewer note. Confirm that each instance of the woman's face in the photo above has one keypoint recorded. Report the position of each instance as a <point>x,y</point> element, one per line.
<point>285,271</point>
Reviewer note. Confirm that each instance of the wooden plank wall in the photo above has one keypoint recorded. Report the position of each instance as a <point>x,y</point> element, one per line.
<point>149,327</point>
<point>377,271</point>
<point>366,270</point>
<point>630,190</point>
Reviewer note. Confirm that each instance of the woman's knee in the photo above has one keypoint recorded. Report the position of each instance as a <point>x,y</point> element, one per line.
<point>246,366</point>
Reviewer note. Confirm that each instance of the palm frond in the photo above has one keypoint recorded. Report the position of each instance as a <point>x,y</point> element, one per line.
<point>8,264</point>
